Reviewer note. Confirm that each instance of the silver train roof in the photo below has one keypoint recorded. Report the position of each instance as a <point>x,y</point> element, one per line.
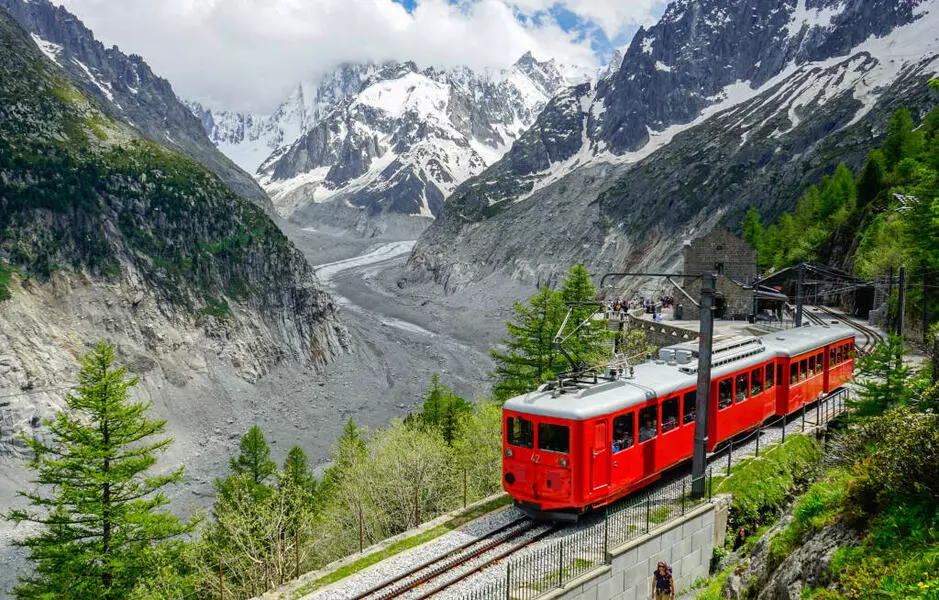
<point>667,375</point>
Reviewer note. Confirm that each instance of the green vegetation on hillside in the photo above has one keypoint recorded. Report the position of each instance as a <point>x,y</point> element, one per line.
<point>883,483</point>
<point>84,192</point>
<point>880,218</point>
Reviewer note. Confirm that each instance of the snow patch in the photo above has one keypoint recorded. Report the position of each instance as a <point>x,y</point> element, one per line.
<point>819,17</point>
<point>105,87</point>
<point>52,51</point>
<point>647,45</point>
<point>413,92</point>
<point>660,66</point>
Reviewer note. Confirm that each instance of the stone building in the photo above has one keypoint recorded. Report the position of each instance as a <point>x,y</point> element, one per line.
<point>733,261</point>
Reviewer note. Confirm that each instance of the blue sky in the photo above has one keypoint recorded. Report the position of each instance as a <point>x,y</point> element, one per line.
<point>569,21</point>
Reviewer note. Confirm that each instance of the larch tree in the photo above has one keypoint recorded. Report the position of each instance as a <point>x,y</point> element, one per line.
<point>586,337</point>
<point>254,458</point>
<point>530,356</point>
<point>98,502</point>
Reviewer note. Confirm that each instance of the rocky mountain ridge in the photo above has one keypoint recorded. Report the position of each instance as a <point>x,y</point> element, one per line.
<point>128,85</point>
<point>397,142</point>
<point>699,123</point>
<point>104,233</point>
<point>249,138</point>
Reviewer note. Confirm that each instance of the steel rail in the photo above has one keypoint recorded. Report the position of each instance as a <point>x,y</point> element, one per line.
<point>434,567</point>
<point>490,562</point>
<point>872,336</point>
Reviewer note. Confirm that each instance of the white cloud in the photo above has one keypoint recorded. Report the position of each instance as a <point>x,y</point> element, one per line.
<point>247,54</point>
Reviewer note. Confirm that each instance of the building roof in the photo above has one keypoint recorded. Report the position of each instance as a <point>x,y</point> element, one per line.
<point>661,378</point>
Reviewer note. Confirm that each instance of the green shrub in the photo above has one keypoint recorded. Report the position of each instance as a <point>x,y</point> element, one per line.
<point>818,507</point>
<point>5,271</point>
<point>216,307</point>
<point>760,487</point>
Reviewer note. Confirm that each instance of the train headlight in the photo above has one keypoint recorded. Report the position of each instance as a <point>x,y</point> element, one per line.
<point>562,462</point>
<point>508,452</point>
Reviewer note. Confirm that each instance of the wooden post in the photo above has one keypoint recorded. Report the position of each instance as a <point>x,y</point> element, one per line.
<point>901,307</point>
<point>417,505</point>
<point>296,550</point>
<point>361,532</point>
<point>464,487</point>
<point>221,581</point>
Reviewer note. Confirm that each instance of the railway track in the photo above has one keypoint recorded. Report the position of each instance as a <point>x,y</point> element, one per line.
<point>433,576</point>
<point>872,337</point>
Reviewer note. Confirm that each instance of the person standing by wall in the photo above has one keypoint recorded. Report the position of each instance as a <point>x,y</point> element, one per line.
<point>663,586</point>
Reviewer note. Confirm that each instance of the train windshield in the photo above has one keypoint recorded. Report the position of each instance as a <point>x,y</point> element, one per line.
<point>521,432</point>
<point>554,438</point>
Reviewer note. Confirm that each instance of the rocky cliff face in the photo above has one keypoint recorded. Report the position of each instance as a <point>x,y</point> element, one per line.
<point>720,106</point>
<point>128,86</point>
<point>107,234</point>
<point>405,139</point>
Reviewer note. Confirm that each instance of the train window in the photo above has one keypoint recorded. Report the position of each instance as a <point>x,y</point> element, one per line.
<point>691,405</point>
<point>769,376</point>
<point>521,432</point>
<point>648,423</point>
<point>818,363</point>
<point>756,382</point>
<point>743,387</point>
<point>554,438</point>
<point>794,372</point>
<point>840,354</point>
<point>670,414</point>
<point>802,370</point>
<point>623,432</point>
<point>725,393</point>
<point>779,374</point>
<point>811,365</point>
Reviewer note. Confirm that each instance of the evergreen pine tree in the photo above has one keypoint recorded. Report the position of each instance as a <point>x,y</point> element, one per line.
<point>530,357</point>
<point>297,471</point>
<point>753,233</point>
<point>254,457</point>
<point>587,336</point>
<point>882,376</point>
<point>871,181</point>
<point>98,504</point>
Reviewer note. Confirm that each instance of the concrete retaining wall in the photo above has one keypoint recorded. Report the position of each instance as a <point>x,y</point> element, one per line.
<point>686,544</point>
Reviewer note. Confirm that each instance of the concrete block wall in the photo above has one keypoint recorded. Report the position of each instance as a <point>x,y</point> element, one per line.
<point>686,544</point>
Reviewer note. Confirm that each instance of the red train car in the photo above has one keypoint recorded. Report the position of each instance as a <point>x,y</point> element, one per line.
<point>570,449</point>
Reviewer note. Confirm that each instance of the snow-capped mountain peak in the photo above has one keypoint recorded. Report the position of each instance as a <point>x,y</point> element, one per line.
<point>389,138</point>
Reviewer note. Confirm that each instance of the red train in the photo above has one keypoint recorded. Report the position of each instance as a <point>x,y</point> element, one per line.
<point>569,450</point>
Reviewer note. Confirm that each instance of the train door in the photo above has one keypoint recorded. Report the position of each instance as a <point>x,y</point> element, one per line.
<point>769,392</point>
<point>627,469</point>
<point>600,457</point>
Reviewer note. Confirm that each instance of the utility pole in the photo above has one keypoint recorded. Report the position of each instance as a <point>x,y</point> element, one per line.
<point>799,295</point>
<point>705,341</point>
<point>901,306</point>
<point>925,304</point>
<point>889,298</point>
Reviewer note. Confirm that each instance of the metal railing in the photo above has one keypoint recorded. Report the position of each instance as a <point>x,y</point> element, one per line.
<point>550,566</point>
<point>809,417</point>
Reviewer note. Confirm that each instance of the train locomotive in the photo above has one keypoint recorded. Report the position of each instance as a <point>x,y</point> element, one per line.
<point>572,446</point>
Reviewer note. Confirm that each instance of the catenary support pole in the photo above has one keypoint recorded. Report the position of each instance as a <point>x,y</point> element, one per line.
<point>221,581</point>
<point>801,272</point>
<point>889,297</point>
<point>935,359</point>
<point>901,306</point>
<point>705,341</point>
<point>925,305</point>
